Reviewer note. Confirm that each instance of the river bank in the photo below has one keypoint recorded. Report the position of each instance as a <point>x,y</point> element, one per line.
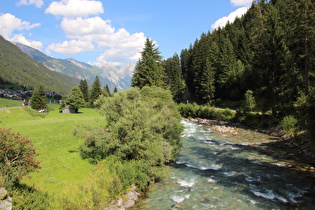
<point>297,148</point>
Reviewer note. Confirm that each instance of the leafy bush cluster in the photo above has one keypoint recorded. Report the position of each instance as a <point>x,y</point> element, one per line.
<point>17,157</point>
<point>143,126</point>
<point>206,112</point>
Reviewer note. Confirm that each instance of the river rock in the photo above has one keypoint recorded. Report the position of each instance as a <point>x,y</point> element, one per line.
<point>5,200</point>
<point>3,193</point>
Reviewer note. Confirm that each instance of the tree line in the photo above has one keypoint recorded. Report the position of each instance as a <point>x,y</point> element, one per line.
<point>267,57</point>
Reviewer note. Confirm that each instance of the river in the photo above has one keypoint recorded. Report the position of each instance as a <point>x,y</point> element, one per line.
<point>232,171</point>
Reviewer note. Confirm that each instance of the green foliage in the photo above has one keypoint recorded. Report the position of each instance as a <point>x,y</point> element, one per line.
<point>206,112</point>
<point>17,157</point>
<point>142,125</point>
<point>148,71</point>
<point>96,90</point>
<point>39,99</point>
<point>25,197</point>
<point>106,91</point>
<point>289,126</point>
<point>175,79</point>
<point>250,102</point>
<point>84,89</point>
<point>75,99</point>
<point>306,107</point>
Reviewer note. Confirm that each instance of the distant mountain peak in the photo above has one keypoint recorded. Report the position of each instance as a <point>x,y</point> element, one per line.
<point>111,75</point>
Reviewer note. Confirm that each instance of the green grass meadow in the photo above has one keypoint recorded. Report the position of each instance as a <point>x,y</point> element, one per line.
<point>10,102</point>
<point>52,135</point>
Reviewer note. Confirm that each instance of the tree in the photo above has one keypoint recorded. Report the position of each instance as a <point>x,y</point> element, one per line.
<point>175,79</point>
<point>106,91</point>
<point>17,157</point>
<point>96,90</point>
<point>75,99</point>
<point>149,71</point>
<point>141,125</point>
<point>84,89</point>
<point>250,102</point>
<point>39,99</point>
<point>115,90</point>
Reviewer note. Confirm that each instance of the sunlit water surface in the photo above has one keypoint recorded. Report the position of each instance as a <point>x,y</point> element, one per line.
<point>217,171</point>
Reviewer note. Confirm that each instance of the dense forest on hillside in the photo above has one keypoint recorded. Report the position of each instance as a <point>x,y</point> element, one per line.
<point>270,51</point>
<point>18,68</point>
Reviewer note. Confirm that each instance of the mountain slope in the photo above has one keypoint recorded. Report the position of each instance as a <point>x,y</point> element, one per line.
<point>108,74</point>
<point>18,68</point>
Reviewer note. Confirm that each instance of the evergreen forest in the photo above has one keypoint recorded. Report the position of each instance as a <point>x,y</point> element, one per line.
<point>268,53</point>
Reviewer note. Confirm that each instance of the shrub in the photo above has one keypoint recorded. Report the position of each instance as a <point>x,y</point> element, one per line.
<point>289,126</point>
<point>17,157</point>
<point>142,125</point>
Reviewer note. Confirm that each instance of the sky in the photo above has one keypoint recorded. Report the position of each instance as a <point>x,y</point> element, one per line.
<point>113,32</point>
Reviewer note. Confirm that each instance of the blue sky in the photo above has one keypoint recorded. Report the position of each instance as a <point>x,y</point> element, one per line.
<point>112,31</point>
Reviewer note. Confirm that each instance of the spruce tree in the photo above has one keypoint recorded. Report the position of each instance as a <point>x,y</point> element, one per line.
<point>96,90</point>
<point>175,79</point>
<point>39,99</point>
<point>106,91</point>
<point>84,89</point>
<point>149,71</point>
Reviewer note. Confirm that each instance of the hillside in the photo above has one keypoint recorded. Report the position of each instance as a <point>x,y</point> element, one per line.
<point>108,74</point>
<point>18,68</point>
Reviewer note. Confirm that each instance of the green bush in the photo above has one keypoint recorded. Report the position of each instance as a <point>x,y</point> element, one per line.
<point>17,157</point>
<point>289,126</point>
<point>25,197</point>
<point>142,125</point>
<point>206,112</point>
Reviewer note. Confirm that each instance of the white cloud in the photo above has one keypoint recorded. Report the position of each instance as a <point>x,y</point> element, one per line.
<point>118,46</point>
<point>230,18</point>
<point>85,28</point>
<point>37,3</point>
<point>71,47</point>
<point>246,3</point>
<point>21,39</point>
<point>75,8</point>
<point>10,23</point>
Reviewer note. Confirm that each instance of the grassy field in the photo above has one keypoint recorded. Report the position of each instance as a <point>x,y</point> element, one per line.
<point>52,135</point>
<point>9,103</point>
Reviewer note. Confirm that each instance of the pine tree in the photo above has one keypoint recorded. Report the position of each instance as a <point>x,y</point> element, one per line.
<point>106,91</point>
<point>84,89</point>
<point>96,90</point>
<point>39,99</point>
<point>302,39</point>
<point>149,71</point>
<point>175,79</point>
<point>115,90</point>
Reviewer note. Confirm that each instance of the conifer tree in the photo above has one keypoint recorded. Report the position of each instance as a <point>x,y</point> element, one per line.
<point>39,99</point>
<point>115,90</point>
<point>175,79</point>
<point>96,90</point>
<point>149,71</point>
<point>84,89</point>
<point>106,91</point>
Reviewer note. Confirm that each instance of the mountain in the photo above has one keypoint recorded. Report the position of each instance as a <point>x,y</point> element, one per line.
<point>18,68</point>
<point>108,74</point>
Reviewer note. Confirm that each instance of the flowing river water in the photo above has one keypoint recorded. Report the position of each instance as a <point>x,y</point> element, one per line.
<point>238,170</point>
